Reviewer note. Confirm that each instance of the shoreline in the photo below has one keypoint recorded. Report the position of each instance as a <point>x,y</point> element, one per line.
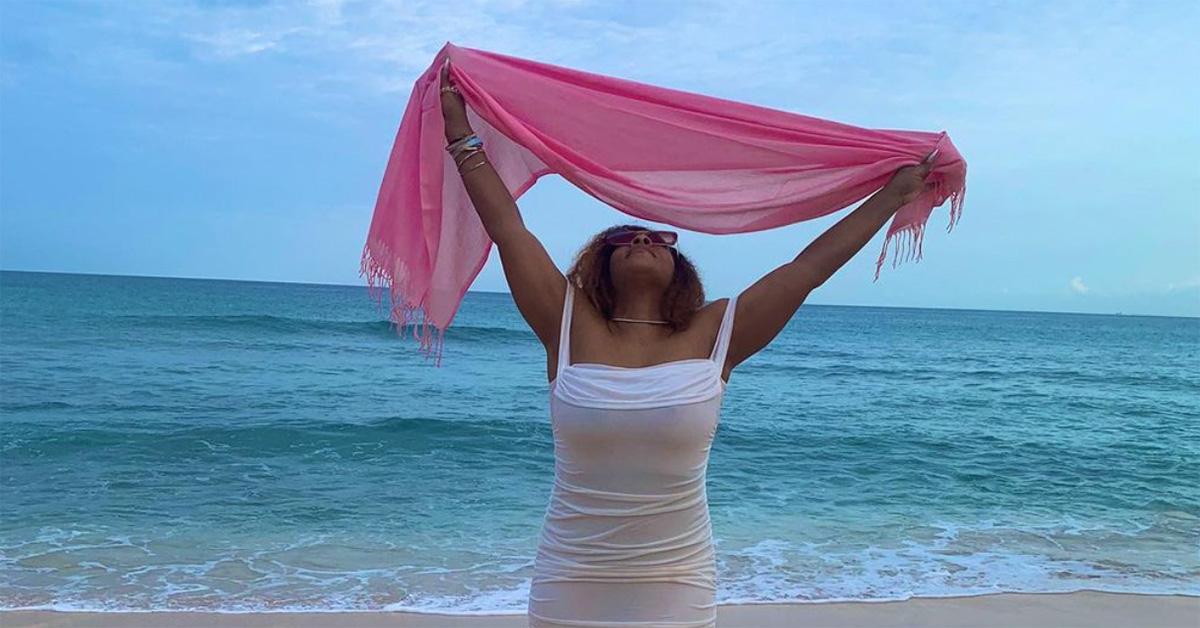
<point>990,610</point>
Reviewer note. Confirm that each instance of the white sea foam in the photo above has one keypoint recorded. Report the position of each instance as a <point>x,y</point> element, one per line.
<point>949,563</point>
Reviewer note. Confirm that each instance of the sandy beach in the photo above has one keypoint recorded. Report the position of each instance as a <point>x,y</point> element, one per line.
<point>1002,610</point>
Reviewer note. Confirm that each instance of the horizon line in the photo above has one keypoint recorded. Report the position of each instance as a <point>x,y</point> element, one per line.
<point>365,286</point>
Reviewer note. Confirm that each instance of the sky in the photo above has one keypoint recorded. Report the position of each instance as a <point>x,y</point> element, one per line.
<point>247,140</point>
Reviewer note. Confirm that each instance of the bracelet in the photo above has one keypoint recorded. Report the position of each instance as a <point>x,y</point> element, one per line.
<point>460,163</point>
<point>459,154</point>
<point>458,142</point>
<point>483,161</point>
<point>464,161</point>
<point>472,143</point>
<point>463,141</point>
<point>465,155</point>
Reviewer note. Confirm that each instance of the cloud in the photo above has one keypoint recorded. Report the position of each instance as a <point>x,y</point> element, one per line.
<point>237,42</point>
<point>1078,286</point>
<point>1186,284</point>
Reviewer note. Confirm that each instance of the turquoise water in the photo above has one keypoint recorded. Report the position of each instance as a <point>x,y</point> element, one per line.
<point>197,444</point>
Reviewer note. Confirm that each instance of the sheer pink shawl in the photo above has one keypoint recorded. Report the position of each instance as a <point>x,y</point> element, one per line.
<point>693,161</point>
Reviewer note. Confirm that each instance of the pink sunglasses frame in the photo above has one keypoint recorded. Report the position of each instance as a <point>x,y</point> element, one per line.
<point>655,235</point>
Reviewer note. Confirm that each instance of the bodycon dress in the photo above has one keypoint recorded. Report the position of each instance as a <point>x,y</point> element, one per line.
<point>627,540</point>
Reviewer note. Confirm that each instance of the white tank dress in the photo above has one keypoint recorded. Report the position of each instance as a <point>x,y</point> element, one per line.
<point>627,540</point>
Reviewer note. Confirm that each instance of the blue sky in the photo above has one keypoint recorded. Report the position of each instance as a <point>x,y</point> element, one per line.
<point>246,140</point>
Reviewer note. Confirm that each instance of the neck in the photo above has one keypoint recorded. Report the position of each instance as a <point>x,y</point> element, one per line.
<point>640,304</point>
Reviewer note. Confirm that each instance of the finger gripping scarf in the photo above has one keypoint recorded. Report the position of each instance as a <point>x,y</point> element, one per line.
<point>693,161</point>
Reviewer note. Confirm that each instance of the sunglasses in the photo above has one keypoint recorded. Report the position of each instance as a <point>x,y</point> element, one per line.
<point>661,238</point>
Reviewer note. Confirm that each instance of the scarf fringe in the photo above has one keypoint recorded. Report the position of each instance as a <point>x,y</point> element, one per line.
<point>404,313</point>
<point>913,245</point>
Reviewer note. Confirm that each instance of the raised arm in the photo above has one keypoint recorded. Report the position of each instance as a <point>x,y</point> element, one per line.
<point>767,305</point>
<point>538,286</point>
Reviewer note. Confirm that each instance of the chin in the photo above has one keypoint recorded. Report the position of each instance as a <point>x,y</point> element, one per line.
<point>642,276</point>
<point>642,269</point>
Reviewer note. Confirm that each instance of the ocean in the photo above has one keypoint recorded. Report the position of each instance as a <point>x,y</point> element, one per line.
<point>232,446</point>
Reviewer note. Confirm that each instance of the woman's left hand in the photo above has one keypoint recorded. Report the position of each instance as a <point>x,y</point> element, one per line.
<point>909,181</point>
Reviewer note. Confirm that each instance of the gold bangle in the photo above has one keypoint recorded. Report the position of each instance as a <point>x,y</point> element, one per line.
<point>465,155</point>
<point>460,164</point>
<point>465,151</point>
<point>484,161</point>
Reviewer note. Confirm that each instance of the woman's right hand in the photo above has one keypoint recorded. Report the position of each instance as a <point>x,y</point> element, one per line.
<point>454,109</point>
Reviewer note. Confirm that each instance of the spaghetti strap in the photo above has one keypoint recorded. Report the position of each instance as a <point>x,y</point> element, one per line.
<point>721,346</point>
<point>564,331</point>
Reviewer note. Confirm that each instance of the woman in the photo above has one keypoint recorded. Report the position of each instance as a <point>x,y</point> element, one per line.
<point>637,370</point>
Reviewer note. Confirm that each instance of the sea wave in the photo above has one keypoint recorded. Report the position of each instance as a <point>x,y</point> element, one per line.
<point>328,575</point>
<point>268,323</point>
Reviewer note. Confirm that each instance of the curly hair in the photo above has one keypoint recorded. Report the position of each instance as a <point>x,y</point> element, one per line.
<point>590,273</point>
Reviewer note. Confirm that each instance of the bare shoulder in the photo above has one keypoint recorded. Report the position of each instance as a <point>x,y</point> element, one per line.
<point>713,310</point>
<point>585,310</point>
<point>707,319</point>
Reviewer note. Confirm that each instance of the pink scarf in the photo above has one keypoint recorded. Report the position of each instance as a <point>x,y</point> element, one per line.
<point>696,162</point>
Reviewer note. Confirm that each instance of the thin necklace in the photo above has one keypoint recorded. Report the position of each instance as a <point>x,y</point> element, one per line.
<point>638,320</point>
